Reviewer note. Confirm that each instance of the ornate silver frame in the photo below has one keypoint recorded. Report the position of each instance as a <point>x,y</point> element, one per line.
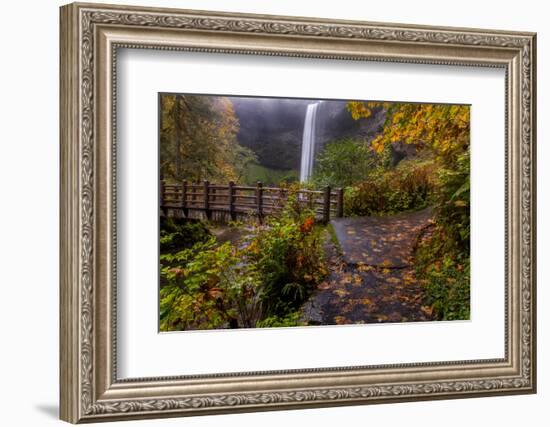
<point>90,36</point>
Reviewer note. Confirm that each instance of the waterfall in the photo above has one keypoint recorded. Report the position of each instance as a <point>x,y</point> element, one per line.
<point>309,139</point>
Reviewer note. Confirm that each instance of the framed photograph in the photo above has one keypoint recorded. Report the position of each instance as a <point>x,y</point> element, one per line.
<point>267,212</point>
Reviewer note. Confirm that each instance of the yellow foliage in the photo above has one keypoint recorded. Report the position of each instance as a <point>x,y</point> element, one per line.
<point>442,128</point>
<point>359,110</point>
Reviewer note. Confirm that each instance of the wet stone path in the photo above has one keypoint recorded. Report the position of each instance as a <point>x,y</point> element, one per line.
<point>372,278</point>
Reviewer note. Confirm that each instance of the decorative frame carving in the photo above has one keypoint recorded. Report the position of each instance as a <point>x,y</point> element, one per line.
<point>90,36</point>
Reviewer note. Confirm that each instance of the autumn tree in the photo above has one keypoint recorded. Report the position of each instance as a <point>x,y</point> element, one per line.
<point>442,128</point>
<point>198,139</point>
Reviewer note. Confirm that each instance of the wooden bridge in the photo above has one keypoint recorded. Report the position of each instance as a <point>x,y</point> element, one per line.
<point>230,201</point>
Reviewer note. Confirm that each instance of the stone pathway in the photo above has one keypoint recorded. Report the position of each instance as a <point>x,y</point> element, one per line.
<point>384,241</point>
<point>372,278</point>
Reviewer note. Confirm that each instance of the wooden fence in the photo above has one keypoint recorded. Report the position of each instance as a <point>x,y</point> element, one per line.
<point>230,201</point>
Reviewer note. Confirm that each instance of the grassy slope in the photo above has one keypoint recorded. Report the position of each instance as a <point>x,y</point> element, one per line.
<point>268,176</point>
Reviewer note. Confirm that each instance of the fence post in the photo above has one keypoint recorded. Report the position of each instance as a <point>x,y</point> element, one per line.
<point>206,201</point>
<point>162,185</point>
<point>184,199</point>
<point>194,188</point>
<point>230,197</point>
<point>340,203</point>
<point>326,204</point>
<point>259,200</point>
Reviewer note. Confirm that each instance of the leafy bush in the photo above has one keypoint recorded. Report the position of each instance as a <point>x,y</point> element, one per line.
<point>292,319</point>
<point>448,291</point>
<point>408,186</point>
<point>288,254</point>
<point>181,233</point>
<point>446,274</point>
<point>211,288</point>
<point>343,163</point>
<point>453,201</point>
<point>258,282</point>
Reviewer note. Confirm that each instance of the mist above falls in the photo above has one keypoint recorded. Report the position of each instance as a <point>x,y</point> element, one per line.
<point>273,127</point>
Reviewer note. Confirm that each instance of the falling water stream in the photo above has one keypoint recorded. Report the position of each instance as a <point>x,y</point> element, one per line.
<point>309,139</point>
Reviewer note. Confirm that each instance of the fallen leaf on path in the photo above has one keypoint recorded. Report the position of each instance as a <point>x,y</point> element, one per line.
<point>340,292</point>
<point>348,308</point>
<point>346,278</point>
<point>427,310</point>
<point>408,278</point>
<point>340,320</point>
<point>323,285</point>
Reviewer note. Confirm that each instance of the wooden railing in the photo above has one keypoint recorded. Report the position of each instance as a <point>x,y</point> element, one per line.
<point>236,201</point>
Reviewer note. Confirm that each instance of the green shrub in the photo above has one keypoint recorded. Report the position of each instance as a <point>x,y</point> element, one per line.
<point>288,254</point>
<point>408,186</point>
<point>443,266</point>
<point>211,288</point>
<point>291,319</point>
<point>446,276</point>
<point>453,201</point>
<point>448,292</point>
<point>343,163</point>
<point>177,234</point>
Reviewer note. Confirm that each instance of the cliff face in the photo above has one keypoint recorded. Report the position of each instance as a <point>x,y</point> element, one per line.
<point>273,127</point>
